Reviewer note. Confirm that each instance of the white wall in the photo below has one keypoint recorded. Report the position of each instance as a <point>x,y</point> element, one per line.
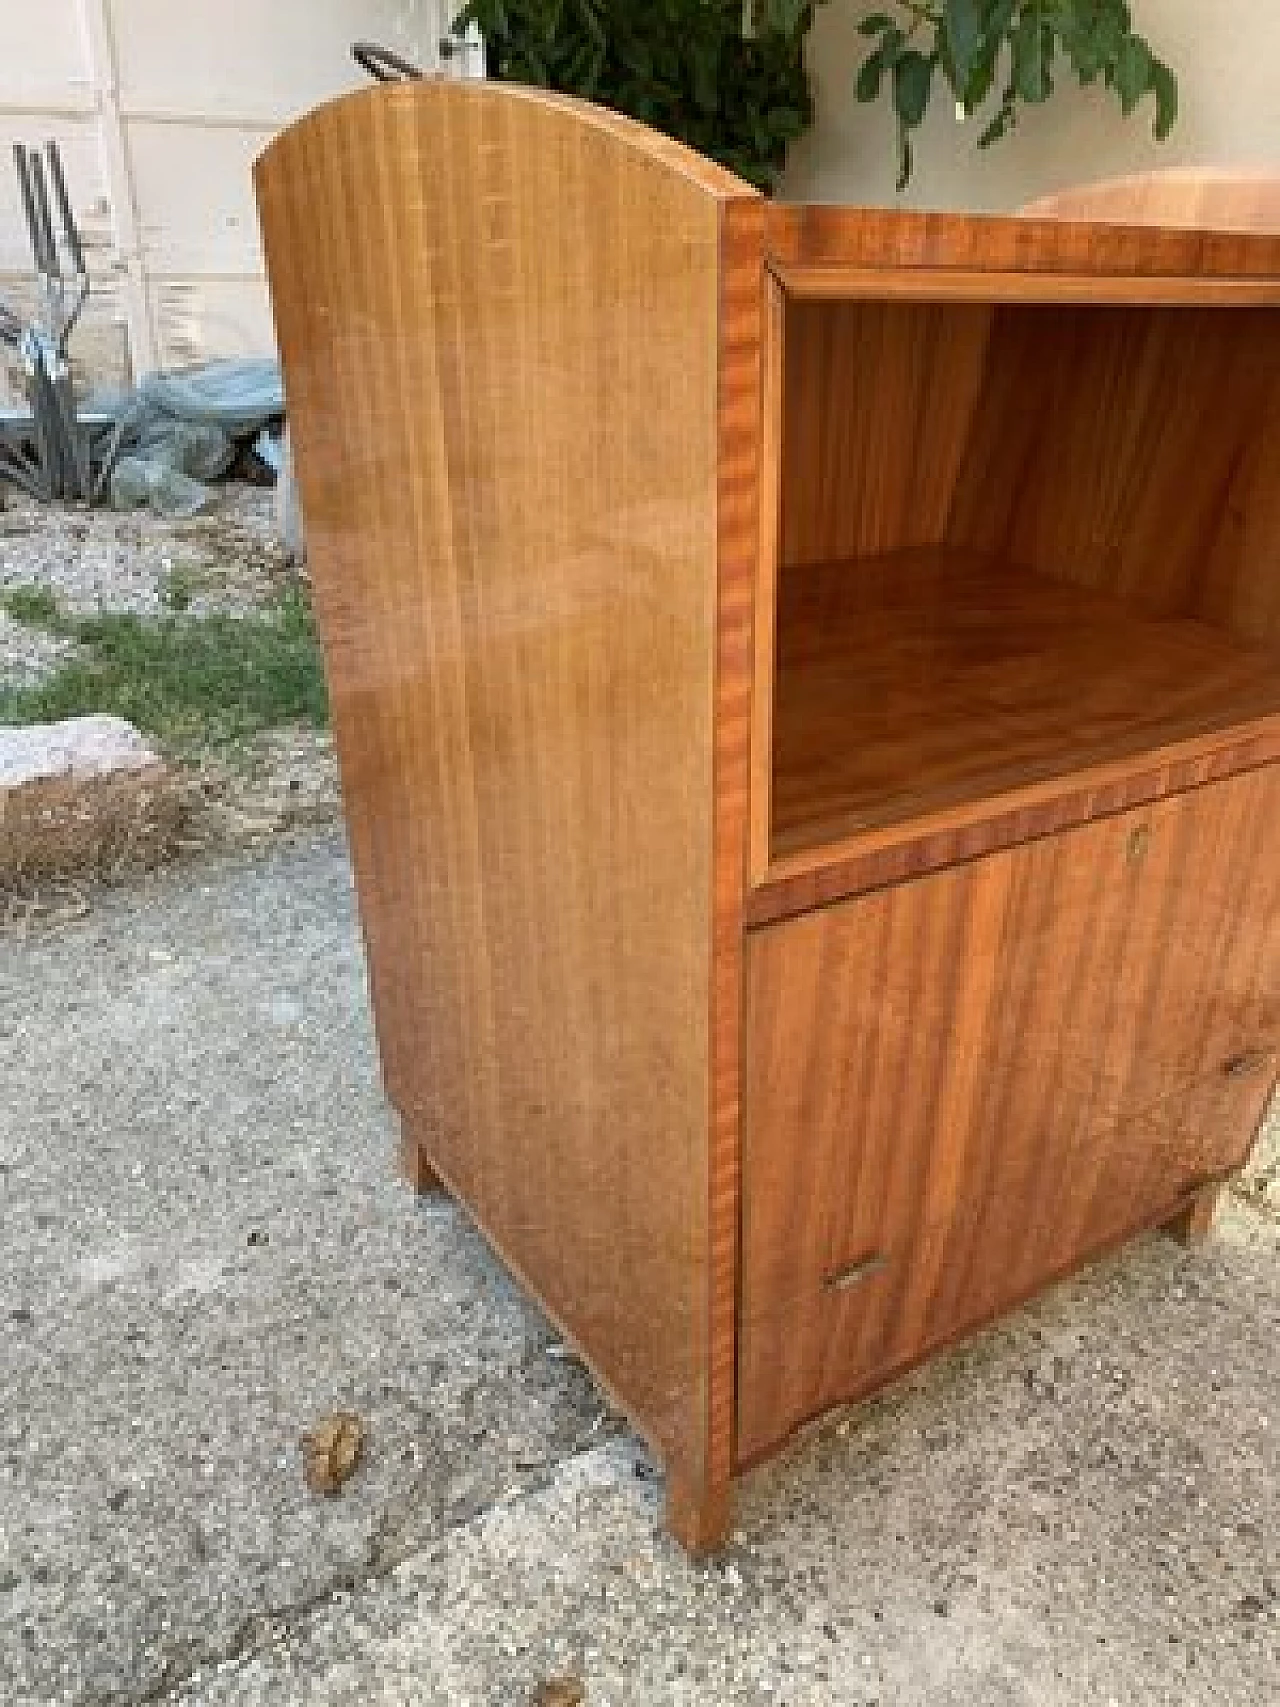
<point>1226,53</point>
<point>161,107</point>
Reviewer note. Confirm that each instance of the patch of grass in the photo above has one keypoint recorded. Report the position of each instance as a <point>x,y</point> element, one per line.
<point>178,591</point>
<point>192,682</point>
<point>36,607</point>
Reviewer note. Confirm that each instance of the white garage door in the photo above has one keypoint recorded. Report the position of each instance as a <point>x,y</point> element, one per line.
<point>160,109</point>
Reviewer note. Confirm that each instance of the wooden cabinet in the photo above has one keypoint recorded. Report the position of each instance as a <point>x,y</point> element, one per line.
<point>807,686</point>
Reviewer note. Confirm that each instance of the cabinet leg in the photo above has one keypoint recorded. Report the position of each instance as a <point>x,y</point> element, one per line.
<point>418,1173</point>
<point>1193,1225</point>
<point>698,1517</point>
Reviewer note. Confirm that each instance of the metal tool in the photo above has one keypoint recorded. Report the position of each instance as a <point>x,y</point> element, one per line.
<point>384,65</point>
<point>50,456</point>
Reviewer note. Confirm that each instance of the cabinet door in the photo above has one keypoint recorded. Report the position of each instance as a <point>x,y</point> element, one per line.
<point>960,1088</point>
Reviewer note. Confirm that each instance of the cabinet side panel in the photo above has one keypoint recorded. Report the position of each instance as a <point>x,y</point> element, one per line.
<point>499,324</point>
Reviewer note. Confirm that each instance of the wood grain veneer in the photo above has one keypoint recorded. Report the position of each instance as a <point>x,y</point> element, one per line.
<point>916,683</point>
<point>1132,450</point>
<point>957,284</point>
<point>878,409</point>
<point>810,785</point>
<point>1194,198</point>
<point>818,240</point>
<point>522,348</point>
<point>959,1087</point>
<point>698,1506</point>
<point>1166,427</point>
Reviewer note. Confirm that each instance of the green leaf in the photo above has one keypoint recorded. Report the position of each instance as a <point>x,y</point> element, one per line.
<point>1165,85</point>
<point>1115,21</point>
<point>786,123</point>
<point>998,129</point>
<point>784,16</point>
<point>877,22</point>
<point>592,24</point>
<point>870,77</point>
<point>706,79</point>
<point>980,85</point>
<point>1030,60</point>
<point>634,55</point>
<point>892,45</point>
<point>533,69</point>
<point>1085,50</point>
<point>912,82</point>
<point>964,37</point>
<point>1133,69</point>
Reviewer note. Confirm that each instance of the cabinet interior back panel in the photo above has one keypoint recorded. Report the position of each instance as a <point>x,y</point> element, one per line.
<point>1132,450</point>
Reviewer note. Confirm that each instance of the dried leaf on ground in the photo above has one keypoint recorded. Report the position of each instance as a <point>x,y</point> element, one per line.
<point>560,1692</point>
<point>331,1452</point>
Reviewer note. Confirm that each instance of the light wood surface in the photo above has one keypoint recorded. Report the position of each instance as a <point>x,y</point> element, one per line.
<point>525,462</point>
<point>814,241</point>
<point>1194,198</point>
<point>912,684</point>
<point>698,1499</point>
<point>973,285</point>
<point>961,1087</point>
<point>875,859</point>
<point>774,359</point>
<point>1145,459</point>
<point>1132,450</point>
<point>878,410</point>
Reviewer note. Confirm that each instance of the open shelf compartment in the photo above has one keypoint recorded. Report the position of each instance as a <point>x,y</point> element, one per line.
<point>930,681</point>
<point>1009,555</point>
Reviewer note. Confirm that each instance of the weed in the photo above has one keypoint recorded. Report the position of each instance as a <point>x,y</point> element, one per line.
<point>192,682</point>
<point>177,591</point>
<point>34,606</point>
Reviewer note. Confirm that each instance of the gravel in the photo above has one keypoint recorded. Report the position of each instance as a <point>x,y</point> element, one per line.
<point>96,560</point>
<point>204,1251</point>
<point>229,561</point>
<point>28,655</point>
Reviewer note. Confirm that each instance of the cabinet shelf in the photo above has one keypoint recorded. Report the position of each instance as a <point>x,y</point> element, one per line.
<point>932,681</point>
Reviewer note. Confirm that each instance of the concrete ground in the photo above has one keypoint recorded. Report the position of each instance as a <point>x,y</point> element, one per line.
<point>204,1250</point>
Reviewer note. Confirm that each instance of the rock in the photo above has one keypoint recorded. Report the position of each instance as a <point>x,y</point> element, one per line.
<point>84,797</point>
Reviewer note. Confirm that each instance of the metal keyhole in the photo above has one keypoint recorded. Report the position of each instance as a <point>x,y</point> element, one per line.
<point>1139,843</point>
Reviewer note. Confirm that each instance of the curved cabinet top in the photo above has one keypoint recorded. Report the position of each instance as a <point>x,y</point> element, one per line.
<point>550,114</point>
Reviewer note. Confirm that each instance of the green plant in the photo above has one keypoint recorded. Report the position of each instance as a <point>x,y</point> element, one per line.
<point>177,591</point>
<point>35,607</point>
<point>970,44</point>
<point>687,67</point>
<point>730,79</point>
<point>193,682</point>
